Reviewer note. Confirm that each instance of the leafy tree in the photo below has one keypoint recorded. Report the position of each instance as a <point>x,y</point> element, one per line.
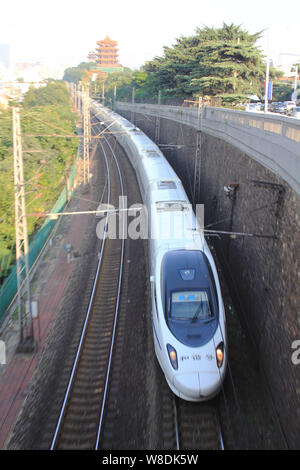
<point>52,94</point>
<point>76,74</point>
<point>123,81</point>
<point>215,61</point>
<point>282,91</point>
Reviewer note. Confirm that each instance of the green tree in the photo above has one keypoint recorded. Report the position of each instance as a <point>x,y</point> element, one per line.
<point>282,91</point>
<point>121,81</point>
<point>52,94</point>
<point>76,74</point>
<point>215,61</point>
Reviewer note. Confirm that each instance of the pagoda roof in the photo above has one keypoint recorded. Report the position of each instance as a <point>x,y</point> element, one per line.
<point>107,40</point>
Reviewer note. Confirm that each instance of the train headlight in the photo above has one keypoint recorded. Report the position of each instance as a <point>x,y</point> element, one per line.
<point>220,354</point>
<point>172,356</point>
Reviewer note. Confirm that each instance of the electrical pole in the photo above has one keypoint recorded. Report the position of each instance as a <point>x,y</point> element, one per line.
<point>115,97</point>
<point>267,84</point>
<point>21,234</point>
<point>74,93</point>
<point>157,120</point>
<point>132,103</point>
<point>79,97</point>
<point>86,137</point>
<point>296,78</point>
<point>103,92</point>
<point>267,77</point>
<point>197,168</point>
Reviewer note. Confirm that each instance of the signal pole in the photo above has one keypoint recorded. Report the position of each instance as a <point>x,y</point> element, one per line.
<point>86,137</point>
<point>157,121</point>
<point>79,97</point>
<point>21,232</point>
<point>197,168</point>
<point>132,103</point>
<point>75,92</point>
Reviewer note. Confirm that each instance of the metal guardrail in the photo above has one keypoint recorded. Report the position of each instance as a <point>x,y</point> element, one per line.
<point>272,140</point>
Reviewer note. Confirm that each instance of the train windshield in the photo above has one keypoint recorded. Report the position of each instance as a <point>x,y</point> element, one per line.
<point>190,305</point>
<point>189,297</point>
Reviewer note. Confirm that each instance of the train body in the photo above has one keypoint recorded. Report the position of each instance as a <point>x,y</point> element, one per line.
<point>188,317</point>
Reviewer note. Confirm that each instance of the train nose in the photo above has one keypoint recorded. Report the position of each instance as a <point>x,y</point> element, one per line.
<point>197,385</point>
<point>188,384</point>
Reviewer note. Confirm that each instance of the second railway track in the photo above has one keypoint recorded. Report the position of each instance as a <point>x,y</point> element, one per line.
<point>81,417</point>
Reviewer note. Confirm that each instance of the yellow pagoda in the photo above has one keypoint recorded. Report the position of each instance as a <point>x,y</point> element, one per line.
<point>106,59</point>
<point>107,55</point>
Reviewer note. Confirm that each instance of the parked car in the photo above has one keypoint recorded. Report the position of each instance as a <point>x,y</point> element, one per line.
<point>295,112</point>
<point>289,105</point>
<point>273,106</point>
<point>281,108</point>
<point>253,107</point>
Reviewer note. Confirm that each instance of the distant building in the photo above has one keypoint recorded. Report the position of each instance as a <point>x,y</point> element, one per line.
<point>4,101</point>
<point>105,58</point>
<point>4,55</point>
<point>107,55</point>
<point>285,63</point>
<point>92,56</point>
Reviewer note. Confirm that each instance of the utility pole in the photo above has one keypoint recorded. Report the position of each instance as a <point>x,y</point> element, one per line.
<point>267,77</point>
<point>132,103</point>
<point>79,97</point>
<point>103,92</point>
<point>157,120</point>
<point>267,84</point>
<point>21,234</point>
<point>74,94</point>
<point>86,137</point>
<point>296,77</point>
<point>197,168</point>
<point>115,97</point>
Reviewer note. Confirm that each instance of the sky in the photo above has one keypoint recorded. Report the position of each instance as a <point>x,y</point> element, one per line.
<point>64,31</point>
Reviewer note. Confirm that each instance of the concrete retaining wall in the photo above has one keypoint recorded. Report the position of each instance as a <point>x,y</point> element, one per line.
<point>273,140</point>
<point>263,273</point>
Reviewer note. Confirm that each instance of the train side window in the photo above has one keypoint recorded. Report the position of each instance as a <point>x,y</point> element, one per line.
<point>212,278</point>
<point>155,299</point>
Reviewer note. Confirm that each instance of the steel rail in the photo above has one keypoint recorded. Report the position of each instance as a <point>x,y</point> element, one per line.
<point>117,304</point>
<point>176,423</point>
<point>67,394</point>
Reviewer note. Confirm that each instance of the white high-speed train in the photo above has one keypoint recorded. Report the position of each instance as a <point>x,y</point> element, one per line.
<point>189,326</point>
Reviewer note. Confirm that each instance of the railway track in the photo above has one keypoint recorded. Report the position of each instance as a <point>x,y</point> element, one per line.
<point>189,426</point>
<point>197,426</point>
<point>81,416</point>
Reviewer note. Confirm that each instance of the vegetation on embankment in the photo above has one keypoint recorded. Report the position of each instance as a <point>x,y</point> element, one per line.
<point>46,111</point>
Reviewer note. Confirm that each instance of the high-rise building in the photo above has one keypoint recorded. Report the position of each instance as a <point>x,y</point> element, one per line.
<point>4,55</point>
<point>92,56</point>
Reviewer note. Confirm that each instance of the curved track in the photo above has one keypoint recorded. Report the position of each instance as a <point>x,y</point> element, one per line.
<point>80,421</point>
